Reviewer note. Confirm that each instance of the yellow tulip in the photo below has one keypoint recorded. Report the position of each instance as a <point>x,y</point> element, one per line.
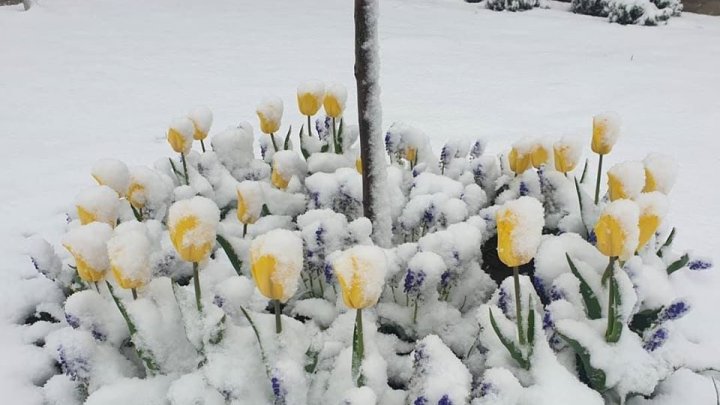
<point>129,253</point>
<point>278,180</point>
<point>193,227</point>
<point>625,180</point>
<point>287,164</point>
<point>136,195</point>
<point>359,165</point>
<point>310,97</point>
<point>270,112</point>
<point>276,261</point>
<point>410,154</point>
<point>335,99</point>
<point>653,207</point>
<point>249,206</point>
<point>180,135</point>
<point>361,274</point>
<point>201,118</point>
<point>617,230</point>
<point>98,204</point>
<point>112,173</point>
<point>519,161</point>
<point>539,155</point>
<point>567,154</point>
<point>87,244</point>
<point>605,133</point>
<point>660,173</point>
<point>519,229</point>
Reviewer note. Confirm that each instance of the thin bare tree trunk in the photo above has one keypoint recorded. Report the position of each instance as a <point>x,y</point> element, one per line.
<point>372,148</point>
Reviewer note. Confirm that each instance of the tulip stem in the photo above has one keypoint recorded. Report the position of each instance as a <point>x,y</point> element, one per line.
<point>272,138</point>
<point>134,293</point>
<point>244,230</point>
<point>196,279</point>
<point>597,182</point>
<point>310,126</point>
<point>518,308</point>
<point>278,324</point>
<point>187,178</point>
<point>334,140</point>
<point>415,310</point>
<point>97,287</point>
<point>611,315</point>
<point>358,349</point>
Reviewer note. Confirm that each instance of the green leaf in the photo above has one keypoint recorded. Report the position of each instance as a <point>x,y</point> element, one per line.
<point>509,345</point>
<point>615,325</point>
<point>265,211</point>
<point>358,350</point>
<point>230,252</point>
<point>595,376</point>
<point>643,320</point>
<point>311,361</point>
<point>585,171</point>
<point>219,334</point>
<point>667,243</point>
<point>592,305</point>
<point>286,144</point>
<point>339,138</point>
<point>678,264</point>
<point>304,151</point>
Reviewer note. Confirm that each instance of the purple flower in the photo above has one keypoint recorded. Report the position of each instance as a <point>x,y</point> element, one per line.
<point>540,288</point>
<point>675,310</point>
<point>218,301</point>
<point>556,294</point>
<point>72,320</point>
<point>503,300</point>
<point>656,339</point>
<point>328,272</point>
<point>699,264</point>
<point>323,127</point>
<point>445,400</point>
<point>524,189</point>
<point>421,400</point>
<point>278,391</point>
<point>486,388</point>
<point>413,281</point>
<point>77,369</point>
<point>477,149</point>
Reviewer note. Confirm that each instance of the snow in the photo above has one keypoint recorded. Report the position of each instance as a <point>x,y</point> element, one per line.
<point>250,201</point>
<point>285,249</point>
<point>335,99</point>
<point>520,224</point>
<point>88,243</point>
<point>270,112</point>
<point>310,97</point>
<point>660,172</point>
<point>99,203</point>
<point>626,180</point>
<point>108,52</point>
<point>112,173</point>
<point>606,131</point>
<point>619,219</point>
<point>129,251</point>
<point>361,271</point>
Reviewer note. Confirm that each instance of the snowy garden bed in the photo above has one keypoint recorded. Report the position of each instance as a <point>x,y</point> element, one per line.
<point>219,275</point>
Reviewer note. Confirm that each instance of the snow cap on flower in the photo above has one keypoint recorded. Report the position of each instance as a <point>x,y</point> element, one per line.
<point>519,227</point>
<point>520,156</point>
<point>146,187</point>
<point>360,271</point>
<point>626,180</point>
<point>660,173</point>
<point>202,119</point>
<point>567,154</point>
<point>193,227</point>
<point>310,97</point>
<point>99,203</point>
<point>180,134</point>
<point>286,164</point>
<point>88,245</point>
<point>540,154</point>
<point>653,208</point>
<point>249,201</point>
<point>277,260</point>
<point>112,173</point>
<point>269,112</point>
<point>617,230</point>
<point>129,252</point>
<point>335,99</point>
<point>606,130</point>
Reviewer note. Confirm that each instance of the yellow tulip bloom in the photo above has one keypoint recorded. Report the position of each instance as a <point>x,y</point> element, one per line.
<point>310,97</point>
<point>87,244</point>
<point>278,180</point>
<point>249,206</point>
<point>201,118</point>
<point>519,229</point>
<point>136,195</point>
<point>129,253</point>
<point>359,165</point>
<point>519,161</point>
<point>335,99</point>
<point>361,274</point>
<point>98,204</point>
<point>567,154</point>
<point>410,154</point>
<point>180,135</point>
<point>625,180</point>
<point>112,173</point>
<point>617,230</point>
<point>606,129</point>
<point>276,261</point>
<point>660,173</point>
<point>270,112</point>
<point>539,155</point>
<point>653,207</point>
<point>193,227</point>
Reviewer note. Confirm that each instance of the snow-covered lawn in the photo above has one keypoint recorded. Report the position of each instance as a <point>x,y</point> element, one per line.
<point>84,80</point>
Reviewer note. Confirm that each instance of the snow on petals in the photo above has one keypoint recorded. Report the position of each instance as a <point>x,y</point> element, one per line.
<point>520,223</point>
<point>193,227</point>
<point>360,271</point>
<point>277,259</point>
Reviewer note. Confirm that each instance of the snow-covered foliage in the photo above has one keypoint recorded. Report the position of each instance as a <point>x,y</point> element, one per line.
<point>641,12</point>
<point>503,283</point>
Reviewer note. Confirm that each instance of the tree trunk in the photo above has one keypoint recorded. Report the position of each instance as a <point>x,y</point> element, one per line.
<point>372,147</point>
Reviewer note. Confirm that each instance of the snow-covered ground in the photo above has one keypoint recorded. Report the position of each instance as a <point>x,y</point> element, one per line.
<point>84,80</point>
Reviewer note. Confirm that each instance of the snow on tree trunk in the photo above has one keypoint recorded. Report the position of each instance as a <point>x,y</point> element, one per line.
<point>372,150</point>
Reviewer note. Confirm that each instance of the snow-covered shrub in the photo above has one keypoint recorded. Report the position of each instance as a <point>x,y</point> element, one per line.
<point>641,12</point>
<point>511,5</point>
<point>239,275</point>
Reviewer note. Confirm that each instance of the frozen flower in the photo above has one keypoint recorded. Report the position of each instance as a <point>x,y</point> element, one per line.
<point>202,119</point>
<point>653,207</point>
<point>360,271</point>
<point>660,173</point>
<point>519,226</point>
<point>146,188</point>
<point>606,130</point>
<point>287,164</point>
<point>335,99</point>
<point>655,339</point>
<point>97,204</point>
<point>270,112</point>
<point>699,264</point>
<point>477,149</point>
<point>310,96</point>
<point>249,201</point>
<point>617,230</point>
<point>112,173</point>
<point>88,245</point>
<point>193,227</point>
<point>520,156</point>
<point>276,261</point>
<point>180,134</point>
<point>129,253</point>
<point>676,310</point>
<point>567,153</point>
<point>540,153</point>
<point>626,180</point>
